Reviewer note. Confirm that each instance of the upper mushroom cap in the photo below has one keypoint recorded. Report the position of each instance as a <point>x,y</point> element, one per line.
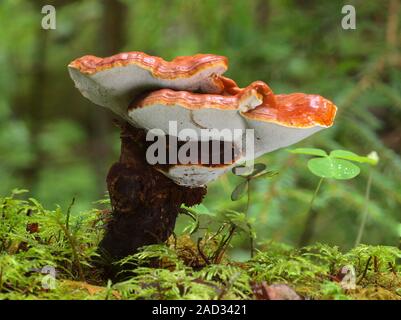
<point>113,82</point>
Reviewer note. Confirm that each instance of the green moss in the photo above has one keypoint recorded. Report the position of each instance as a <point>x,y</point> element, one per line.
<point>33,238</point>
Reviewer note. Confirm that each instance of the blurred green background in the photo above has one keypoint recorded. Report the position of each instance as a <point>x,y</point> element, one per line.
<point>59,145</point>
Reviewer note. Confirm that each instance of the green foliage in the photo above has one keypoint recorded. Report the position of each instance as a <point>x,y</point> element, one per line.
<point>240,190</point>
<point>337,164</point>
<point>229,224</point>
<point>329,167</point>
<point>259,170</point>
<point>310,151</point>
<point>348,155</point>
<point>60,146</point>
<point>32,237</point>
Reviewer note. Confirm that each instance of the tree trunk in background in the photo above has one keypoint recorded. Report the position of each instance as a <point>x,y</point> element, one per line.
<point>145,203</point>
<point>111,40</point>
<point>262,13</point>
<point>112,35</point>
<point>36,103</point>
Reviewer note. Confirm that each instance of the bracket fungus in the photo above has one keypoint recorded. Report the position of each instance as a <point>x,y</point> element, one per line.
<point>207,109</point>
<point>114,81</point>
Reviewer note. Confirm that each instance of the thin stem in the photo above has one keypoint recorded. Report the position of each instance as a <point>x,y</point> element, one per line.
<point>251,240</point>
<point>315,194</point>
<point>72,243</point>
<point>1,279</point>
<point>67,220</point>
<point>366,211</point>
<point>223,245</point>
<point>248,224</point>
<point>311,218</point>
<point>248,200</point>
<point>365,270</point>
<point>201,253</point>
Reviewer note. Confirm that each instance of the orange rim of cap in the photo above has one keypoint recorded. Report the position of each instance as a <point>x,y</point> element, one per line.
<point>180,67</point>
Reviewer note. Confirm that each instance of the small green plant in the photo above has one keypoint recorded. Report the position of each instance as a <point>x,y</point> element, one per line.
<point>339,165</point>
<point>244,188</point>
<point>230,222</point>
<point>259,170</point>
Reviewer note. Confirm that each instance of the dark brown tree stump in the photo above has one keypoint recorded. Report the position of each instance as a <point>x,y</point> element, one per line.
<point>145,203</point>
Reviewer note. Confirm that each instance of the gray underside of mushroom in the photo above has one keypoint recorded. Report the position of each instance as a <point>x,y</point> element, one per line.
<point>260,138</point>
<point>205,124</point>
<point>195,175</point>
<point>115,88</point>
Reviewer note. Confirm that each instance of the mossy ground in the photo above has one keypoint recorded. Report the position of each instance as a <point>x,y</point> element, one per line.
<point>33,239</point>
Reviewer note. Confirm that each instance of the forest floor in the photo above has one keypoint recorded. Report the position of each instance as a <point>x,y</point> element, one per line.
<point>50,254</point>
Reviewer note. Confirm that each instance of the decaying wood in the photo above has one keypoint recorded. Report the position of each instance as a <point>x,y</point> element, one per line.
<point>145,203</point>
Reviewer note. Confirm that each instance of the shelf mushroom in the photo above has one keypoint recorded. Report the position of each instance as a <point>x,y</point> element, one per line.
<point>295,117</point>
<point>276,120</point>
<point>149,93</point>
<point>114,81</point>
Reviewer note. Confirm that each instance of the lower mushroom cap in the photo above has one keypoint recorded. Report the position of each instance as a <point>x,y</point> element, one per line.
<point>296,110</point>
<point>295,117</point>
<point>276,121</point>
<point>210,115</point>
<point>194,163</point>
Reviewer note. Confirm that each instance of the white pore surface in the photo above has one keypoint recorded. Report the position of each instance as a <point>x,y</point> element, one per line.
<point>267,137</point>
<point>220,124</point>
<point>195,176</point>
<point>207,124</point>
<point>115,88</point>
<point>270,136</point>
